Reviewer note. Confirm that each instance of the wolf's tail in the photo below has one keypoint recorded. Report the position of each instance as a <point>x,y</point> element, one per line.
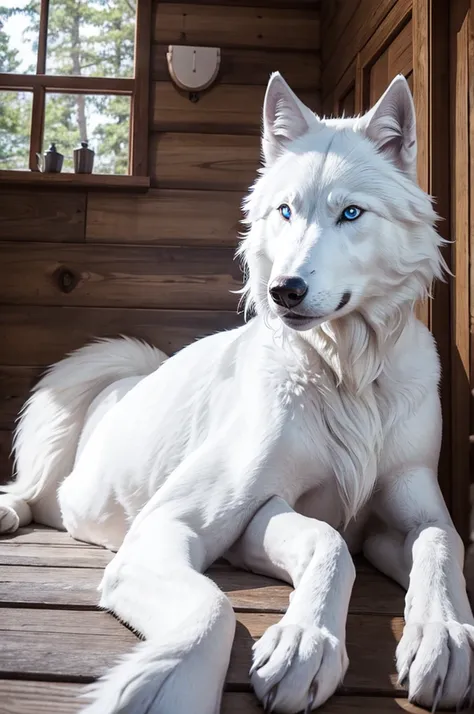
<point>50,423</point>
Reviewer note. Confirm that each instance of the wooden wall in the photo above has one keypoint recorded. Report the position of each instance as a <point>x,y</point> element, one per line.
<point>159,265</point>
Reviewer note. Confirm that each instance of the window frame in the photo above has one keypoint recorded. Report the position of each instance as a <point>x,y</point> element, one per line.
<point>136,87</point>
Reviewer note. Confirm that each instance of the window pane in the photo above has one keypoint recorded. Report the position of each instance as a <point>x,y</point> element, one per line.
<point>15,126</point>
<point>103,120</point>
<point>19,28</point>
<point>93,38</point>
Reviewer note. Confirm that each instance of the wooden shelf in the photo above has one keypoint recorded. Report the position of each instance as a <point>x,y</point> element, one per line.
<point>65,180</point>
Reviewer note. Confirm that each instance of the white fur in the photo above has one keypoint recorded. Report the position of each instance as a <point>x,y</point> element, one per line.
<point>52,420</point>
<point>281,445</point>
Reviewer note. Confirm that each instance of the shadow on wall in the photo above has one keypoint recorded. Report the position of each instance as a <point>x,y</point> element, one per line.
<point>469,566</point>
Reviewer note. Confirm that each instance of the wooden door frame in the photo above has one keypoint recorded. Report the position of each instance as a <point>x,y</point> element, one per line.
<point>460,55</point>
<point>389,28</point>
<point>346,84</point>
<point>431,86</point>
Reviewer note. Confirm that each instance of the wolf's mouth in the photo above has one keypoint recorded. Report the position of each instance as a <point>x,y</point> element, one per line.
<point>294,316</point>
<point>344,300</point>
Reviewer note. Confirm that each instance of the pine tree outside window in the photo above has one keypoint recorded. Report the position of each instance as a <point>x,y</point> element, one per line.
<point>74,71</point>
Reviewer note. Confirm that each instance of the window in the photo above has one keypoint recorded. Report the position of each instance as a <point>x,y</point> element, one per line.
<point>15,125</point>
<point>74,71</point>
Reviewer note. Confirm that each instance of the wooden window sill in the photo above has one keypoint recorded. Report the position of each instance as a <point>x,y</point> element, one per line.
<point>68,180</point>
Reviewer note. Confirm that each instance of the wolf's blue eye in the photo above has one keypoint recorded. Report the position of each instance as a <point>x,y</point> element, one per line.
<point>285,211</point>
<point>351,213</point>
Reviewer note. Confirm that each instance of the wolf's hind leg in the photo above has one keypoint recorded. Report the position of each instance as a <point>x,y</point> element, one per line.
<point>14,513</point>
<point>153,586</point>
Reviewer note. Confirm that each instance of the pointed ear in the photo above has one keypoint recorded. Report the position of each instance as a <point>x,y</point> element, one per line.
<point>391,125</point>
<point>285,118</point>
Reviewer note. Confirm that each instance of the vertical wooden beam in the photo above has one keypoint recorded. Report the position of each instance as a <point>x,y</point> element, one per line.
<point>37,110</point>
<point>471,209</point>
<point>421,18</point>
<point>42,38</point>
<point>430,88</point>
<point>140,99</point>
<point>359,86</point>
<point>37,126</point>
<point>460,319</point>
<point>440,188</point>
<point>421,29</point>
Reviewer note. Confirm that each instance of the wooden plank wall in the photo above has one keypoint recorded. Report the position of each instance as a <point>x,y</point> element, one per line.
<point>74,265</point>
<point>346,27</point>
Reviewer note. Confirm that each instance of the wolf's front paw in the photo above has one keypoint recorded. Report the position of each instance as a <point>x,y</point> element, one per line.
<point>434,660</point>
<point>297,668</point>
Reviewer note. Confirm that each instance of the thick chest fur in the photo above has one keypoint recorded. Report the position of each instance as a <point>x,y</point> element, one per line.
<point>341,437</point>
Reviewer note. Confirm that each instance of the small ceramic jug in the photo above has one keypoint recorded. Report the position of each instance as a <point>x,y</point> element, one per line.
<point>51,162</point>
<point>83,159</point>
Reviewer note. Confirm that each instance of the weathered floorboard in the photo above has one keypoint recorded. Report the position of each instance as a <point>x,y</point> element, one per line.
<point>45,582</point>
<point>258,600</point>
<point>51,556</point>
<point>54,586</point>
<point>50,630</point>
<point>36,534</point>
<point>62,698</point>
<point>42,643</point>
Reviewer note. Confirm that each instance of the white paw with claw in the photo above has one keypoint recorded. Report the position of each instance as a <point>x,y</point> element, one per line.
<point>435,660</point>
<point>9,521</point>
<point>297,668</point>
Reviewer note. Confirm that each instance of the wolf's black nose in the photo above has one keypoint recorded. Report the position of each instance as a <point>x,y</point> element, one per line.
<point>288,291</point>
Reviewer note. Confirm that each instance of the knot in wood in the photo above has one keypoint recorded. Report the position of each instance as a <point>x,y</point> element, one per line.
<point>67,280</point>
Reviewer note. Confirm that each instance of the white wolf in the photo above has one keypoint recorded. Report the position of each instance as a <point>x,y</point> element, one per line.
<point>312,431</point>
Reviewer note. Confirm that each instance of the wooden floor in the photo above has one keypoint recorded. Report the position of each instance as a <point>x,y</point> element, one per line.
<point>53,640</point>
